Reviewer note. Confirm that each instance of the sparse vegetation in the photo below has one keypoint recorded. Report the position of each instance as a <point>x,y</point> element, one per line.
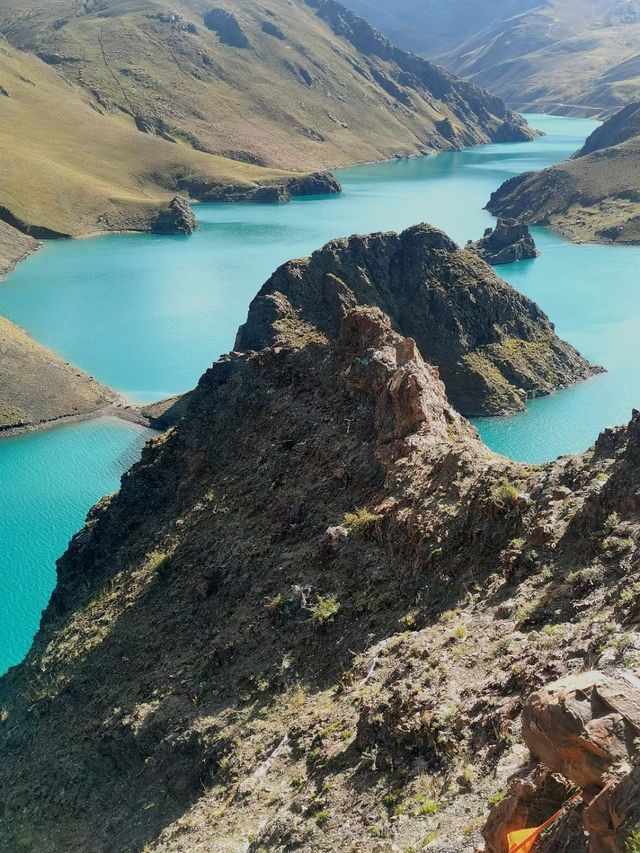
<point>324,609</point>
<point>361,522</point>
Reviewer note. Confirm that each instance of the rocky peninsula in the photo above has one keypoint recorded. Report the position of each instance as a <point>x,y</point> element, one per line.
<point>493,347</point>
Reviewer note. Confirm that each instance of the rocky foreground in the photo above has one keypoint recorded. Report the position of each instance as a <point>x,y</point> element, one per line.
<point>493,347</point>
<point>592,197</point>
<point>313,614</point>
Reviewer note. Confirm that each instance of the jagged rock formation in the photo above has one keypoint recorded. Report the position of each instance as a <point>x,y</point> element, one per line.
<point>507,243</point>
<point>36,386</point>
<point>310,617</point>
<point>586,729</point>
<point>594,196</point>
<point>178,218</point>
<point>494,348</point>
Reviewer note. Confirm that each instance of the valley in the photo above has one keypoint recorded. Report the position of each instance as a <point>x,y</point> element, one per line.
<point>568,57</point>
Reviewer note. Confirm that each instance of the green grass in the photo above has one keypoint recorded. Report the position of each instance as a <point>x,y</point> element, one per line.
<point>75,171</point>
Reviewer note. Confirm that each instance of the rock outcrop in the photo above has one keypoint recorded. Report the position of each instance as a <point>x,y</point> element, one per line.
<point>494,348</point>
<point>507,243</point>
<point>226,25</point>
<point>586,728</point>
<point>178,218</point>
<point>592,197</point>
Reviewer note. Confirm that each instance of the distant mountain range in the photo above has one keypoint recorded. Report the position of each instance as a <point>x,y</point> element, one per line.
<point>561,56</point>
<point>109,108</point>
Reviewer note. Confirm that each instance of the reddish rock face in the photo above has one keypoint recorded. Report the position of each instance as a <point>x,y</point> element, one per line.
<point>584,727</point>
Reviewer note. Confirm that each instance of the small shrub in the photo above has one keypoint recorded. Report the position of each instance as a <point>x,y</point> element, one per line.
<point>324,609</point>
<point>273,604</point>
<point>633,842</point>
<point>494,799</point>
<point>322,817</point>
<point>425,806</point>
<point>506,494</point>
<point>611,523</point>
<point>361,522</point>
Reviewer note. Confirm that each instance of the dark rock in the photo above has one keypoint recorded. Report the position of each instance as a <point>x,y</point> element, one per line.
<point>178,218</point>
<point>493,347</point>
<point>272,30</point>
<point>506,243</point>
<point>227,28</point>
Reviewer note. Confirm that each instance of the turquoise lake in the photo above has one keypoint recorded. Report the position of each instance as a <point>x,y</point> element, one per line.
<point>49,481</point>
<point>147,315</point>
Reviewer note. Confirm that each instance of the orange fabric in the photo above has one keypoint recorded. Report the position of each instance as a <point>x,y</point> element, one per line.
<point>523,840</point>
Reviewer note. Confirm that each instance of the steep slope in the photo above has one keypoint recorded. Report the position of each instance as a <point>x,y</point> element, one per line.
<point>294,85</point>
<point>594,196</point>
<point>36,386</point>
<point>309,618</point>
<point>74,169</point>
<point>14,247</point>
<point>493,347</point>
<point>561,56</point>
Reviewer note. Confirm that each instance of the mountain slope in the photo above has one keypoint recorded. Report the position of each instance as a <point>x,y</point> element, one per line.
<point>36,386</point>
<point>309,618</point>
<point>560,56</point>
<point>594,196</point>
<point>493,347</point>
<point>292,88</point>
<point>72,169</point>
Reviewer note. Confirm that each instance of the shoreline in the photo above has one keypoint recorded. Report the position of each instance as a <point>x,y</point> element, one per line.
<point>119,409</point>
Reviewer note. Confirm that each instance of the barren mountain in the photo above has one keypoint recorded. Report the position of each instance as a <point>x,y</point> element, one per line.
<point>594,196</point>
<point>557,56</point>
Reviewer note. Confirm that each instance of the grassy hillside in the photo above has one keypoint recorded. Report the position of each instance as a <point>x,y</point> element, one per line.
<point>300,88</point>
<point>73,169</point>
<point>37,386</point>
<point>565,56</point>
<point>594,196</point>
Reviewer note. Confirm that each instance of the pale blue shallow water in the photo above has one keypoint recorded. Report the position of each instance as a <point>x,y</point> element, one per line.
<point>148,314</point>
<point>48,482</point>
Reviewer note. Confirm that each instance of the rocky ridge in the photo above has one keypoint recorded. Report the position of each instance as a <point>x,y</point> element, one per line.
<point>592,197</point>
<point>493,347</point>
<point>312,616</point>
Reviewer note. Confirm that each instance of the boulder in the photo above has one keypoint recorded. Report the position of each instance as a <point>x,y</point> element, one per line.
<point>178,218</point>
<point>584,725</point>
<point>507,243</point>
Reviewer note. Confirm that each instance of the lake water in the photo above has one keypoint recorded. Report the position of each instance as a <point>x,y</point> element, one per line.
<point>49,481</point>
<point>147,315</point>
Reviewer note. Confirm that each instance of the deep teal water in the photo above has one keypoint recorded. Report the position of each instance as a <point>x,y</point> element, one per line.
<point>148,314</point>
<point>48,482</point>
